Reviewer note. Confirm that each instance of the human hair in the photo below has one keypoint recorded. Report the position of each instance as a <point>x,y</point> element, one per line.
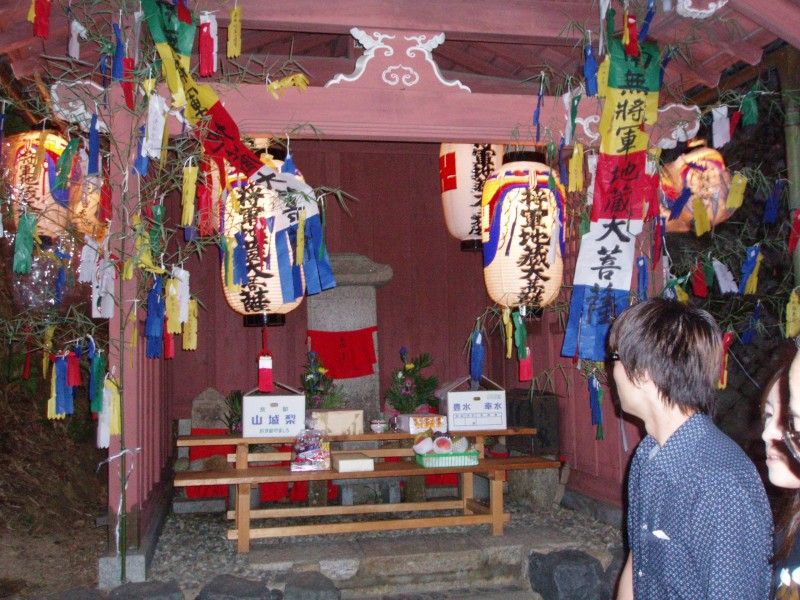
<point>678,346</point>
<point>787,516</point>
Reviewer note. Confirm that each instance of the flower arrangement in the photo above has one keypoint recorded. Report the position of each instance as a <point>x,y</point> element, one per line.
<point>319,388</point>
<point>410,389</point>
<point>233,411</point>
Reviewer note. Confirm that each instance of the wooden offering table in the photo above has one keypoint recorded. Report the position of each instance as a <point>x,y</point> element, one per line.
<point>244,475</point>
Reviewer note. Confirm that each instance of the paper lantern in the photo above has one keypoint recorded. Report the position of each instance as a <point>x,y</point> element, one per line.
<point>31,191</point>
<point>521,229</point>
<point>463,169</point>
<point>266,225</point>
<point>703,172</point>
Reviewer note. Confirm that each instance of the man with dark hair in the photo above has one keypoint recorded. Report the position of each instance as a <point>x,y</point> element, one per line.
<point>699,524</point>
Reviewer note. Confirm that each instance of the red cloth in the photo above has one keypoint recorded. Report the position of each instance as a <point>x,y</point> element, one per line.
<point>200,452</point>
<point>346,354</point>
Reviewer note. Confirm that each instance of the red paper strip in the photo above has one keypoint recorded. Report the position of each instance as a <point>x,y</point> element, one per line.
<point>169,342</point>
<point>73,370</point>
<point>632,47</point>
<point>735,118</point>
<point>794,234</point>
<point>222,140</point>
<point>620,185</point>
<point>205,213</point>
<point>206,48</point>
<point>699,284</point>
<point>128,82</point>
<point>41,19</point>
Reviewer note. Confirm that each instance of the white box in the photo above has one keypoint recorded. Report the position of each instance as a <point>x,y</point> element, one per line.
<point>476,411</point>
<point>422,422</point>
<point>339,421</point>
<point>273,415</point>
<point>353,462</point>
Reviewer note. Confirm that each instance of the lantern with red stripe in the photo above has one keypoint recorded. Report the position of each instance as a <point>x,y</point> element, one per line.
<point>463,169</point>
<point>521,227</point>
<point>701,174</point>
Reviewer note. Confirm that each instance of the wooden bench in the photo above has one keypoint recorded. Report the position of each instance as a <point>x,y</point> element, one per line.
<point>243,476</point>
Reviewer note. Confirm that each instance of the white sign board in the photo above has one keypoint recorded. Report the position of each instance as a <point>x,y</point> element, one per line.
<point>476,411</point>
<point>273,415</point>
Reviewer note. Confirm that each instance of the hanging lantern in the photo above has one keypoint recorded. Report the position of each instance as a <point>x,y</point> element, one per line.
<point>521,221</point>
<point>31,190</point>
<point>261,229</point>
<point>463,169</point>
<point>702,172</point>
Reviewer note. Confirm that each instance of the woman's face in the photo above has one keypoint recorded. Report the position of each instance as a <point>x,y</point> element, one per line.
<point>783,471</point>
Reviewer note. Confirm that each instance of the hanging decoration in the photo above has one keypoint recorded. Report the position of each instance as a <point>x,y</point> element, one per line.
<point>260,229</point>
<point>463,170</point>
<point>234,46</point>
<point>31,160</point>
<point>208,44</point>
<point>622,193</point>
<point>697,177</point>
<point>521,229</point>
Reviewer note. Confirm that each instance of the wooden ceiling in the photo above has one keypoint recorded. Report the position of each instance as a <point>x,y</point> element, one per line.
<point>492,46</point>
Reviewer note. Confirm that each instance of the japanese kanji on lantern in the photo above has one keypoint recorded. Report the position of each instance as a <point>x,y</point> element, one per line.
<point>696,178</point>
<point>463,170</point>
<point>273,249</point>
<point>521,210</point>
<point>32,160</point>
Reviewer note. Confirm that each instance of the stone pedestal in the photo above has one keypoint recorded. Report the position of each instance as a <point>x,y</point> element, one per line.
<point>347,307</point>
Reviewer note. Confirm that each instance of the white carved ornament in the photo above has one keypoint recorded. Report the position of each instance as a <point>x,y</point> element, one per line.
<point>687,8</point>
<point>408,71</point>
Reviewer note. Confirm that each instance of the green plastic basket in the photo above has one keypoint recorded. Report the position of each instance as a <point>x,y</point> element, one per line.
<point>455,459</point>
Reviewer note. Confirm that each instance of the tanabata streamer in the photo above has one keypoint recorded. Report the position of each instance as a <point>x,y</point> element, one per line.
<point>477,352</point>
<point>596,405</point>
<point>234,46</point>
<point>23,243</point>
<point>750,332</point>
<point>793,316</point>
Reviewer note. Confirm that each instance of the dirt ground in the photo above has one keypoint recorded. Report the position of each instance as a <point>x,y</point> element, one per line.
<point>50,497</point>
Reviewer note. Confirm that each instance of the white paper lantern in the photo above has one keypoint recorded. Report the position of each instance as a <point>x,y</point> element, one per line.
<point>264,220</point>
<point>33,193</point>
<point>521,226</point>
<point>463,169</point>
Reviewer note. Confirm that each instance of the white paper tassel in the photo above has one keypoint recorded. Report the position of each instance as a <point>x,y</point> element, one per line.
<point>156,114</point>
<point>182,277</point>
<point>76,30</point>
<point>103,291</point>
<point>567,100</point>
<point>725,280</point>
<point>591,165</point>
<point>603,10</point>
<point>89,258</point>
<point>104,421</point>
<point>721,128</point>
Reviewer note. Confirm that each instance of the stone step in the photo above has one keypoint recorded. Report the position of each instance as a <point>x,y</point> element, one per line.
<point>421,565</point>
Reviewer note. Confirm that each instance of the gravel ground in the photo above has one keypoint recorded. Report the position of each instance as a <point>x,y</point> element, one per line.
<point>193,549</point>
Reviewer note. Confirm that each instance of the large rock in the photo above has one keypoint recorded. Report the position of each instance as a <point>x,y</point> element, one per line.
<point>310,585</point>
<point>208,410</point>
<point>568,575</point>
<point>147,590</point>
<point>230,587</point>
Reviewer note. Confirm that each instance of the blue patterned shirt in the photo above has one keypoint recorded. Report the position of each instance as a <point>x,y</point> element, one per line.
<point>699,524</point>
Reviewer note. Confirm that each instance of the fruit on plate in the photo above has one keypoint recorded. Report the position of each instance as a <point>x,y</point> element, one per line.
<point>460,445</point>
<point>424,445</point>
<point>442,445</point>
<point>421,436</point>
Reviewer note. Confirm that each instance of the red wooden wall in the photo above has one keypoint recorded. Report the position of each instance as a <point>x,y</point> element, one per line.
<point>430,305</point>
